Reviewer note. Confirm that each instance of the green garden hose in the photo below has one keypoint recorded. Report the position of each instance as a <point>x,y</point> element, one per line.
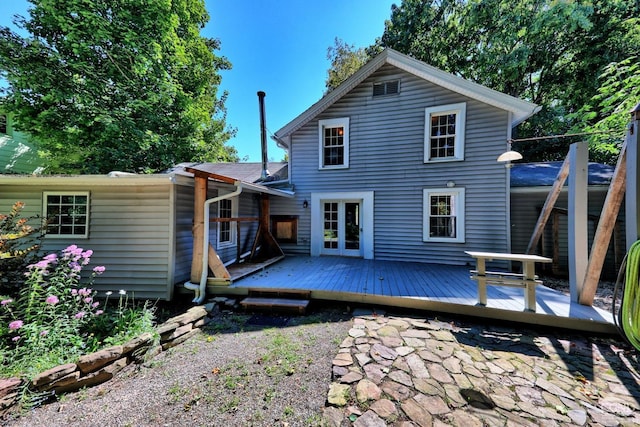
<point>628,319</point>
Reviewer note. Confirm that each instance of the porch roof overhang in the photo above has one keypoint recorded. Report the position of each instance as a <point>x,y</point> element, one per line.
<point>247,186</point>
<point>520,109</point>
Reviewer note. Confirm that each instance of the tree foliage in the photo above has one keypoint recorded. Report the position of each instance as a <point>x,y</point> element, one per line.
<point>117,85</point>
<point>550,52</point>
<point>345,60</point>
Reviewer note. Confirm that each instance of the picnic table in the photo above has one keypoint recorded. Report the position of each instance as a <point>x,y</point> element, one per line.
<point>527,279</point>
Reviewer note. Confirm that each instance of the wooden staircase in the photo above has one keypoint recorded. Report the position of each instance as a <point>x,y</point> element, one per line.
<point>289,300</point>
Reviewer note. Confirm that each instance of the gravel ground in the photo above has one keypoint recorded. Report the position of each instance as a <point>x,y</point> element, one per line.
<point>233,374</point>
<point>604,294</point>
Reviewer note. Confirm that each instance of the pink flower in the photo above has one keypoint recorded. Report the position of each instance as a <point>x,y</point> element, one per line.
<point>16,338</point>
<point>40,265</point>
<point>51,257</point>
<point>95,304</point>
<point>6,301</point>
<point>75,267</point>
<point>88,300</point>
<point>99,312</point>
<point>87,253</point>
<point>74,292</point>
<point>79,315</point>
<point>84,292</point>
<point>70,249</point>
<point>99,269</point>
<point>16,324</point>
<point>44,333</point>
<point>52,299</point>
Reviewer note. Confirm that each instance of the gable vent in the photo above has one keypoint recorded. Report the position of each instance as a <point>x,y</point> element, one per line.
<point>386,88</point>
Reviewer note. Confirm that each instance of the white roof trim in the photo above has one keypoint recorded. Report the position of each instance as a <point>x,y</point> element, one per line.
<point>521,109</point>
<point>90,180</point>
<point>115,180</point>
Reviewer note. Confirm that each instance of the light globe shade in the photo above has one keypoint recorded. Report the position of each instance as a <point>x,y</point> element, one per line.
<point>509,156</point>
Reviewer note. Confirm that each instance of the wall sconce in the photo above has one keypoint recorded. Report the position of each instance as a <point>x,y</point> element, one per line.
<point>305,204</point>
<point>451,184</point>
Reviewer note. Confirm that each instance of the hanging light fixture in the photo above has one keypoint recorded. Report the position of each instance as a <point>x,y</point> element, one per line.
<point>509,156</point>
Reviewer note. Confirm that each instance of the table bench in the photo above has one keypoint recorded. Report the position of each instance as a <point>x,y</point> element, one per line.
<point>527,279</point>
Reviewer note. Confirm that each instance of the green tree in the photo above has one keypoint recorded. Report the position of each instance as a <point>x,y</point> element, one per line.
<point>345,60</point>
<point>550,52</point>
<point>607,113</point>
<point>117,85</point>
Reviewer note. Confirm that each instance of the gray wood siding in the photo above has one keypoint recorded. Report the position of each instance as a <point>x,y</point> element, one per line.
<point>183,239</point>
<point>130,234</point>
<point>386,156</point>
<point>247,207</point>
<point>525,209</point>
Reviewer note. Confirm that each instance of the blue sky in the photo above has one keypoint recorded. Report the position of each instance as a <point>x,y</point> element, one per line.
<point>279,47</point>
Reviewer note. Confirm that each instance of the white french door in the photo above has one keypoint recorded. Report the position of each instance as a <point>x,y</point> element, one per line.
<point>342,223</point>
<point>342,228</point>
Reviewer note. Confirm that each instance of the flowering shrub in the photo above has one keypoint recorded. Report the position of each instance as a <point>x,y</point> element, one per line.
<point>55,319</point>
<point>19,244</point>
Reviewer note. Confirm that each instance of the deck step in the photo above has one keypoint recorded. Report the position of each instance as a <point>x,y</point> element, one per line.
<point>277,300</point>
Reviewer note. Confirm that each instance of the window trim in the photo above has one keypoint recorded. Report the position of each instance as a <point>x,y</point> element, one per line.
<point>332,123</point>
<point>460,109</point>
<point>459,196</point>
<point>45,214</point>
<point>232,225</point>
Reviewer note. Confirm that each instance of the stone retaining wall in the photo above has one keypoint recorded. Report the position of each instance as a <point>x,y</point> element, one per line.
<point>96,368</point>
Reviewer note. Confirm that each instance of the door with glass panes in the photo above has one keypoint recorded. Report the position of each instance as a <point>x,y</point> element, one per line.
<point>342,229</point>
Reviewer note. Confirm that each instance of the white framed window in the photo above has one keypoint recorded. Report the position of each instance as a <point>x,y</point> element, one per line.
<point>444,132</point>
<point>67,214</point>
<point>227,230</point>
<point>443,215</point>
<point>334,143</point>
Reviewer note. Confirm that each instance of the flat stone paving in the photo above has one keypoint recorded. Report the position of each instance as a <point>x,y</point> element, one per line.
<point>405,371</point>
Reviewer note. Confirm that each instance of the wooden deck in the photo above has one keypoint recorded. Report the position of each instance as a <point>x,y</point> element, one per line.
<point>440,288</point>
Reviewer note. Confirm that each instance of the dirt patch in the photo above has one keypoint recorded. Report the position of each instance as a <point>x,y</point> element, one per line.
<point>233,373</point>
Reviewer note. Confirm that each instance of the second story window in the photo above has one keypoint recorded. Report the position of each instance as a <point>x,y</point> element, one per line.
<point>444,133</point>
<point>334,143</point>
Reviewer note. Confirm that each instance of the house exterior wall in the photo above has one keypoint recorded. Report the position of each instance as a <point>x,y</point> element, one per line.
<point>386,156</point>
<point>526,204</point>
<point>247,208</point>
<point>183,240</point>
<point>131,232</point>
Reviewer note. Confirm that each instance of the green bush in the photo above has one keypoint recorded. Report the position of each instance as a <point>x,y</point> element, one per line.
<point>55,319</point>
<point>19,244</point>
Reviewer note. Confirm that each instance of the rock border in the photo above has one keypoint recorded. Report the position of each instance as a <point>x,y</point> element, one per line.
<point>101,366</point>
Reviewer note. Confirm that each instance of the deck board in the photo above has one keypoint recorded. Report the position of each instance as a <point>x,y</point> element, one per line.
<point>445,288</point>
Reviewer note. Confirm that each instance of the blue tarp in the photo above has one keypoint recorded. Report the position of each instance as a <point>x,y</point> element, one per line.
<point>545,173</point>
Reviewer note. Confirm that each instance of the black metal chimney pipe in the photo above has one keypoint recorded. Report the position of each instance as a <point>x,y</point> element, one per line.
<point>263,136</point>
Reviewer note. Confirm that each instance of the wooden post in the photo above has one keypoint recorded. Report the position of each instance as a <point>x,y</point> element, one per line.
<point>199,197</point>
<point>548,205</point>
<point>577,225</point>
<point>605,228</point>
<point>632,201</point>
<point>555,232</point>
